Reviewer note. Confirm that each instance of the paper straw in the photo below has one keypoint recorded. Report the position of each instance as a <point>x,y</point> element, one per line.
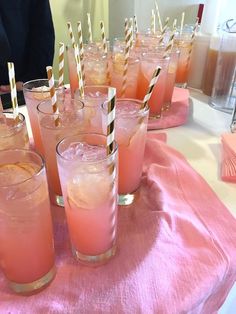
<point>164,30</point>
<point>61,64</point>
<point>72,37</point>
<point>126,62</point>
<point>104,42</point>
<point>53,95</point>
<point>182,23</point>
<point>81,48</point>
<point>11,74</point>
<point>174,24</point>
<point>152,84</point>
<point>153,23</point>
<point>158,16</point>
<point>126,27</point>
<point>135,24</point>
<point>89,28</point>
<point>192,42</point>
<point>131,29</point>
<point>171,41</point>
<point>79,71</point>
<point>111,121</point>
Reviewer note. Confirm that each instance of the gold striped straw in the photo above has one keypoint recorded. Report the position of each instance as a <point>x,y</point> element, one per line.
<point>131,28</point>
<point>89,28</point>
<point>126,62</point>
<point>182,23</point>
<point>11,74</point>
<point>171,41</point>
<point>81,48</point>
<point>152,84</point>
<point>153,23</point>
<point>104,41</point>
<point>135,25</point>
<point>111,121</point>
<point>161,40</point>
<point>158,16</point>
<point>79,71</point>
<point>53,95</point>
<point>192,41</point>
<point>61,64</point>
<point>72,37</point>
<point>126,27</point>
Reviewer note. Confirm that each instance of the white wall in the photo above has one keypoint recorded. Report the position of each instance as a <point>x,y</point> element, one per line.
<point>120,9</point>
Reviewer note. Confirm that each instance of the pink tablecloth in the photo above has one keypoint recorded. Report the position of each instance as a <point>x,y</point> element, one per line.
<point>176,251</point>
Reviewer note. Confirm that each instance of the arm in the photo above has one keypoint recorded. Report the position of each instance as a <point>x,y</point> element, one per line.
<point>40,40</point>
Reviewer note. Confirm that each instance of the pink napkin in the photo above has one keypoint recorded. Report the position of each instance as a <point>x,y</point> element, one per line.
<point>176,251</point>
<point>228,160</point>
<point>176,115</point>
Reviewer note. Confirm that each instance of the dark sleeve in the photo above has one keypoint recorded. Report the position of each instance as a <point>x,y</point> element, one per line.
<point>41,40</point>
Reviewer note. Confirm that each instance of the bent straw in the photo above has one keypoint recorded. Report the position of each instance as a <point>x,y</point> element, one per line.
<point>158,16</point>
<point>152,84</point>
<point>61,64</point>
<point>53,95</point>
<point>11,74</point>
<point>81,48</point>
<point>89,28</point>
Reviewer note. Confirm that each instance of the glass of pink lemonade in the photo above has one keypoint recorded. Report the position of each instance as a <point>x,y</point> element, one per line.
<point>36,91</point>
<point>70,123</point>
<point>13,132</point>
<point>149,62</point>
<point>96,69</point>
<point>89,185</point>
<point>94,97</point>
<point>130,134</point>
<point>26,235</point>
<point>171,75</point>
<point>117,77</point>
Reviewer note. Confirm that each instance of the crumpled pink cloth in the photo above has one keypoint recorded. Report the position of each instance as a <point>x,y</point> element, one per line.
<point>228,160</point>
<point>176,115</point>
<point>176,251</point>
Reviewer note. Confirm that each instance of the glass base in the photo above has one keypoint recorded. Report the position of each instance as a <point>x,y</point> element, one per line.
<point>35,286</point>
<point>181,85</point>
<point>125,199</point>
<point>96,260</point>
<point>221,107</point>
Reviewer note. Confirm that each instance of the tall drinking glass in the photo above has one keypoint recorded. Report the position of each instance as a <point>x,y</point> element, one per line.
<point>70,123</point>
<point>130,134</point>
<point>149,62</point>
<point>89,185</point>
<point>13,132</point>
<point>36,91</point>
<point>26,236</point>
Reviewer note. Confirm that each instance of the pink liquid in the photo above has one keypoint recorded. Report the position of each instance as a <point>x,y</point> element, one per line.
<point>131,132</point>
<point>26,237</point>
<point>73,77</point>
<point>183,65</point>
<point>156,101</point>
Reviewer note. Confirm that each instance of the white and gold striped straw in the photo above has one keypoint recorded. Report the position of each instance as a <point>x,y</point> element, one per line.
<point>153,22</point>
<point>174,24</point>
<point>61,64</point>
<point>158,16</point>
<point>111,121</point>
<point>152,84</point>
<point>126,26</point>
<point>89,28</point>
<point>171,40</point>
<point>135,24</point>
<point>79,71</point>
<point>12,81</point>
<point>126,62</point>
<point>182,23</point>
<point>72,37</point>
<point>192,42</point>
<point>81,48</point>
<point>53,95</point>
<point>104,41</point>
<point>161,40</point>
<point>131,29</point>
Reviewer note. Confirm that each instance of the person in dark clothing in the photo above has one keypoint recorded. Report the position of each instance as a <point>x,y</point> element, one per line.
<point>26,38</point>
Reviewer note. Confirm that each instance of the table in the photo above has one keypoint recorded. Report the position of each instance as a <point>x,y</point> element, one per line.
<point>199,142</point>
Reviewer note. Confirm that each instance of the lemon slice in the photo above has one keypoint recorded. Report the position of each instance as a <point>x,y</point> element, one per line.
<point>16,173</point>
<point>118,64</point>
